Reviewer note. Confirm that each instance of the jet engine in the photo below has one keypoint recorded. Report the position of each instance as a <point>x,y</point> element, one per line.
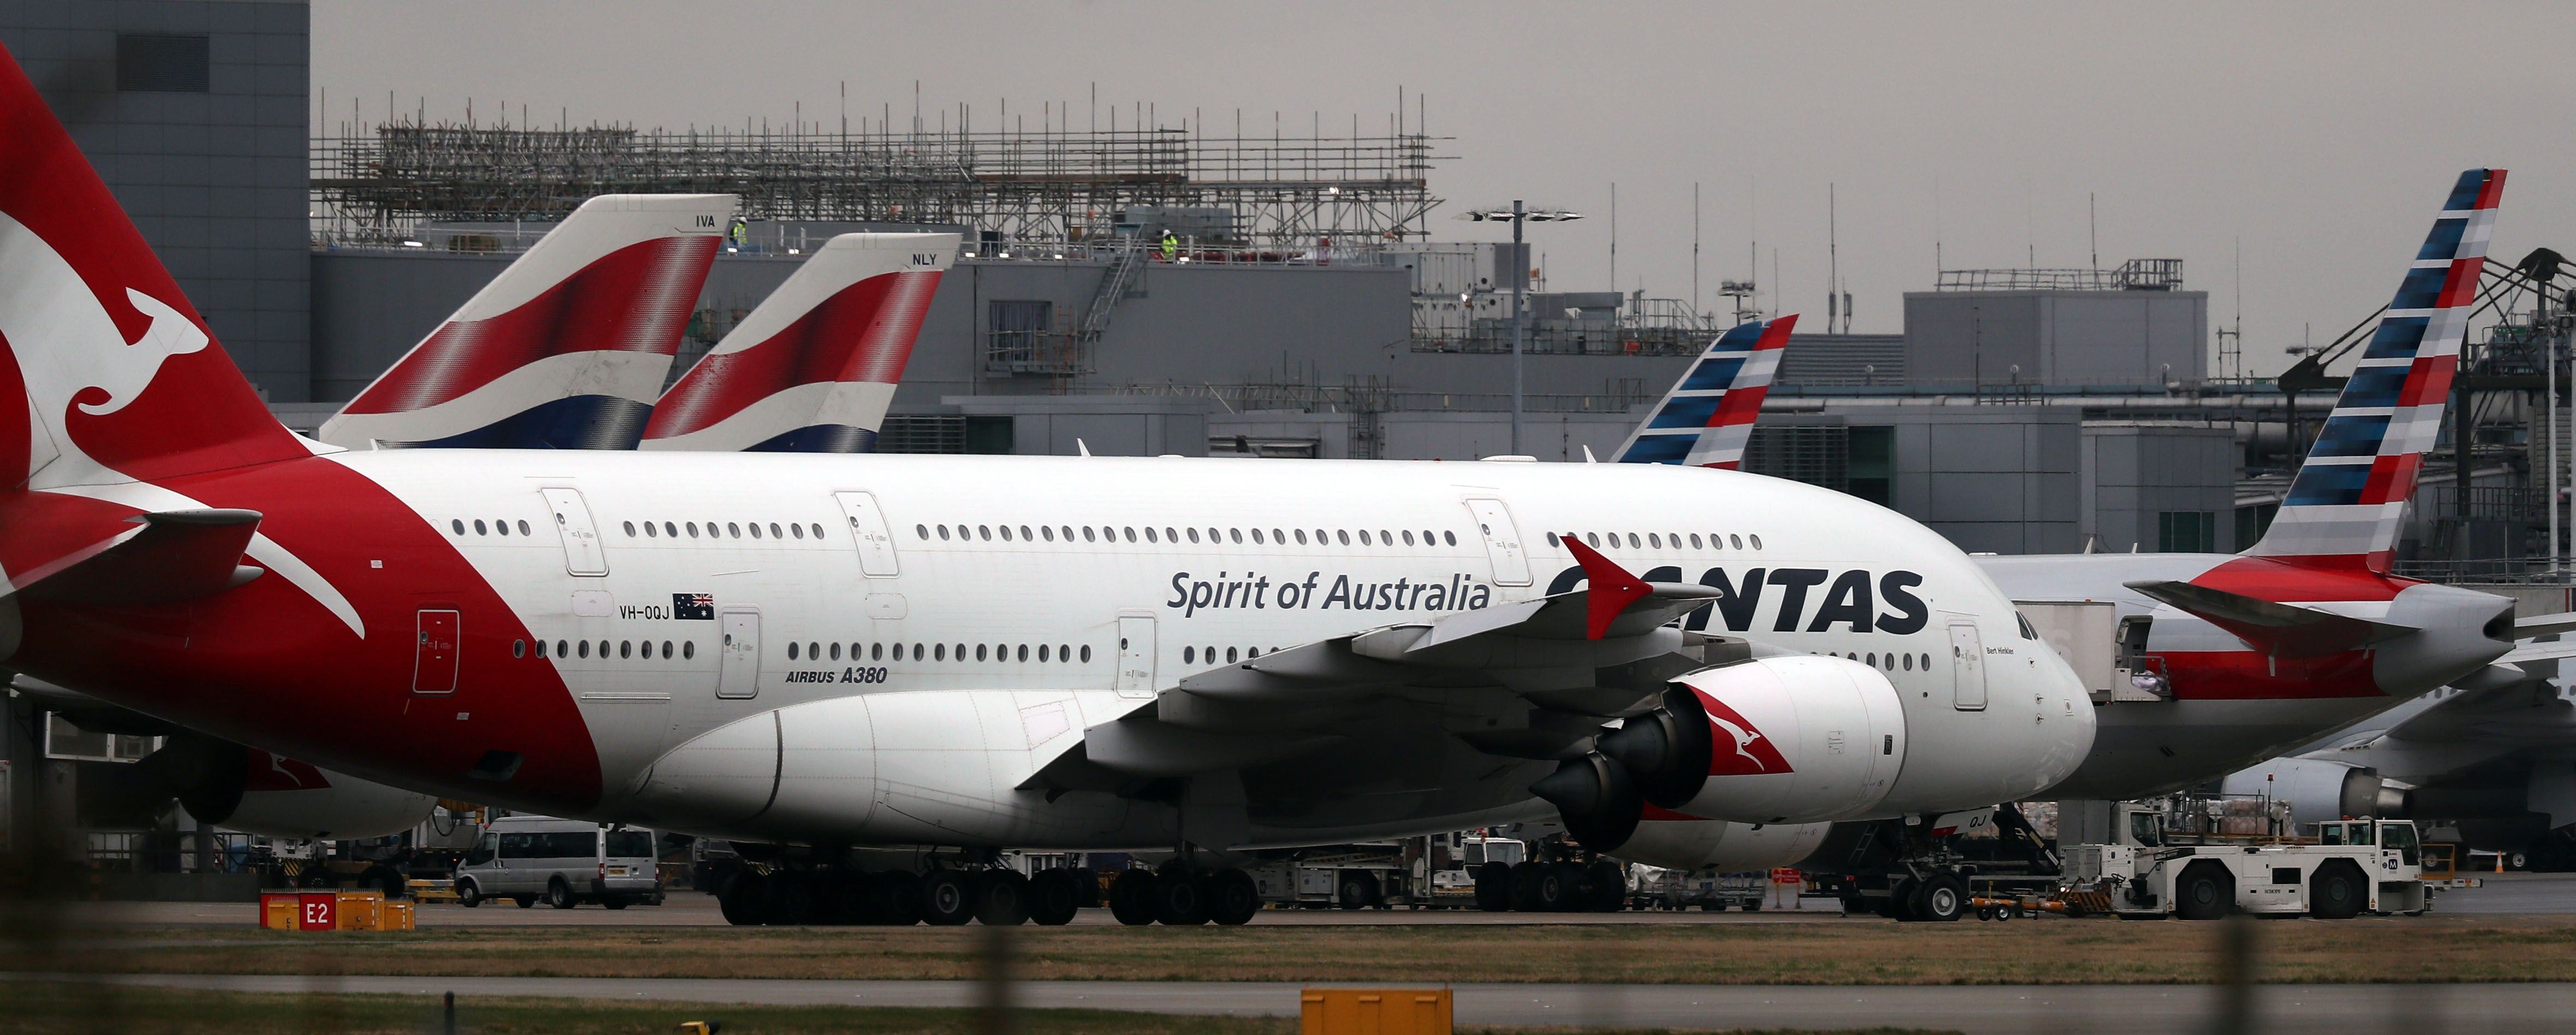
<point>1794,739</point>
<point>1684,843</point>
<point>2319,790</point>
<point>252,791</point>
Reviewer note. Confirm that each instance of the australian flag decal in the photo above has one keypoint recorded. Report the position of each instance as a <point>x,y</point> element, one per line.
<point>693,607</point>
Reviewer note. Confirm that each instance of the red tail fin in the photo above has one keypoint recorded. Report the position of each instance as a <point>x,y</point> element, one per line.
<point>121,379</point>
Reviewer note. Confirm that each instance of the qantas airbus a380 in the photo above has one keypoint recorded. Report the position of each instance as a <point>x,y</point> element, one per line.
<point>971,653</point>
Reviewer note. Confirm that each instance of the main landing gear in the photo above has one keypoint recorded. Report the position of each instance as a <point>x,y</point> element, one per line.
<point>940,897</point>
<point>1183,894</point>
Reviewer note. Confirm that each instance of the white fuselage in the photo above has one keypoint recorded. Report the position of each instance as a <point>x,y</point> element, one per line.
<point>981,636</point>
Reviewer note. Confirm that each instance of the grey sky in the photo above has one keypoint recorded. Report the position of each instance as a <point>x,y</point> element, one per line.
<point>2322,135</point>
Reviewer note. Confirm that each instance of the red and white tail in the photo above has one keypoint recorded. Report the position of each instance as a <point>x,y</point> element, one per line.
<point>566,348</point>
<point>2345,504</point>
<point>122,382</point>
<point>812,369</point>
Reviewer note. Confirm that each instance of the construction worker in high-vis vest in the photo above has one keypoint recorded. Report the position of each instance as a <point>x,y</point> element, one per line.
<point>1171,245</point>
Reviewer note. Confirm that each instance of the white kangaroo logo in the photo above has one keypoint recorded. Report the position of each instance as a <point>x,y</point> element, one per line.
<point>170,335</point>
<point>1743,740</point>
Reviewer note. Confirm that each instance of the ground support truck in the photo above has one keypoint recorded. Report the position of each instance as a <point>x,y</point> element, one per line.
<point>2351,867</point>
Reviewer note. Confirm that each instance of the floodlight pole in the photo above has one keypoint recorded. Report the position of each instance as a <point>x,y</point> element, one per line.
<point>1520,279</point>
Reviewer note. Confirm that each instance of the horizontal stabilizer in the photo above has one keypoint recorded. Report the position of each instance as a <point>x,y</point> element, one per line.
<point>174,556</point>
<point>2283,630</point>
<point>2544,625</point>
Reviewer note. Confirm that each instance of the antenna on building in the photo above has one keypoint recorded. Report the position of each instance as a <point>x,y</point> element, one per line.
<point>1833,263</point>
<point>1695,304</point>
<point>2093,229</point>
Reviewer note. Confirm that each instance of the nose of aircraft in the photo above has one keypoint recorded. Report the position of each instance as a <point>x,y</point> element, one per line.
<point>2458,632</point>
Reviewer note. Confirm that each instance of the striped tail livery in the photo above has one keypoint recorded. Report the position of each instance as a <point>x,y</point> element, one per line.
<point>566,349</point>
<point>2345,505</point>
<point>1708,416</point>
<point>812,369</point>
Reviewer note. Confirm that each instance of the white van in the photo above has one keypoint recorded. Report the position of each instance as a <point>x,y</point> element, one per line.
<point>563,862</point>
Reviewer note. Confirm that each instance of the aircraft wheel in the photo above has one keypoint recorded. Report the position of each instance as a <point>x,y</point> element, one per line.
<point>1178,898</point>
<point>1231,897</point>
<point>1494,887</point>
<point>740,897</point>
<point>1001,898</point>
<point>1131,897</point>
<point>947,898</point>
<point>1055,896</point>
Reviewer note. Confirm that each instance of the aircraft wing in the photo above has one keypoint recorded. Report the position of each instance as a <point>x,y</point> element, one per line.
<point>1471,696</point>
<point>2288,630</point>
<point>2543,625</point>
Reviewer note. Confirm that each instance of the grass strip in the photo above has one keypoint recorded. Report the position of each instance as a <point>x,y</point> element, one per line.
<point>37,1008</point>
<point>2368,950</point>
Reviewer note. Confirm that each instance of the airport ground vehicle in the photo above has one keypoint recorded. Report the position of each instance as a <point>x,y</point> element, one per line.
<point>561,862</point>
<point>1706,890</point>
<point>2353,866</point>
<point>1357,876</point>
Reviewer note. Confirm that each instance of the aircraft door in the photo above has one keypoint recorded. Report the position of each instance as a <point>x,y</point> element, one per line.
<point>1967,666</point>
<point>1502,541</point>
<point>583,554</point>
<point>433,666</point>
<point>1136,655</point>
<point>868,528</point>
<point>738,658</point>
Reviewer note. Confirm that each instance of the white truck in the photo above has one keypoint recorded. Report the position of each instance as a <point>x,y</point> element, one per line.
<point>2353,866</point>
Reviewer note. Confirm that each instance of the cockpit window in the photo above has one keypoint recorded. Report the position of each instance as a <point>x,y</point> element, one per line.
<point>2027,632</point>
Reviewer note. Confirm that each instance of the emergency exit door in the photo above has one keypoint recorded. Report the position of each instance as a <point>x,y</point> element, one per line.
<point>1967,666</point>
<point>1136,656</point>
<point>583,554</point>
<point>433,665</point>
<point>868,529</point>
<point>1502,541</point>
<point>738,653</point>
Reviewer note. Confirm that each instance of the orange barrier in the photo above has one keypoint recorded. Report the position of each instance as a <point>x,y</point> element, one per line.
<point>1375,1011</point>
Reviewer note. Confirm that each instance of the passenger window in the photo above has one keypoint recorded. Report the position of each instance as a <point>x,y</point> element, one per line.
<point>1364,538</point>
<point>541,648</point>
<point>585,648</point>
<point>1738,541</point>
<point>1757,542</point>
<point>1086,653</point>
<point>922,531</point>
<point>688,650</point>
<point>1131,535</point>
<point>773,531</point>
<point>518,648</point>
<point>625,649</point>
<point>979,652</point>
<point>1087,534</point>
<point>791,650</point>
<point>693,530</point>
<point>836,652</point>
<point>1048,531</point>
<point>1194,535</point>
<point>1256,536</point>
<point>515,846</point>
<point>755,529</point>
<point>798,530</point>
<point>984,532</point>
<point>478,527</point>
<point>1236,534</point>
<point>1068,533</point>
<point>1024,533</point>
<point>1064,653</point>
<point>1694,540</point>
<point>1408,537</point>
<point>630,528</point>
<point>1592,538</point>
<point>876,652</point>
<point>1450,538</point>
<point>1189,655</point>
<point>501,527</point>
<point>1024,652</point>
<point>560,649</point>
<point>458,524</point>
<point>916,652</point>
<point>651,532</point>
<point>939,652</point>
<point>1229,655</point>
<point>733,530</point>
<point>666,650</point>
<point>1301,537</point>
<point>1150,535</point>
<point>1385,537</point>
<point>943,533</point>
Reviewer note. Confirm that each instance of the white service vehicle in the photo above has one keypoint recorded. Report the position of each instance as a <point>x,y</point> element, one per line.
<point>561,862</point>
<point>2372,865</point>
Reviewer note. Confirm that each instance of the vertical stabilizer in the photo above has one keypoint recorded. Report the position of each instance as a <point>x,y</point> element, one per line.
<point>2346,502</point>
<point>1707,417</point>
<point>812,369</point>
<point>566,348</point>
<point>119,378</point>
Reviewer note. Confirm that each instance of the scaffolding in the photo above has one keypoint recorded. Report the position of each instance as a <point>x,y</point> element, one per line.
<point>372,185</point>
<point>2133,275</point>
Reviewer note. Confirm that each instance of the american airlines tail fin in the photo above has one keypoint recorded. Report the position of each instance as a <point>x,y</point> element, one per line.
<point>2346,502</point>
<point>566,348</point>
<point>812,368</point>
<point>120,379</point>
<point>1708,416</point>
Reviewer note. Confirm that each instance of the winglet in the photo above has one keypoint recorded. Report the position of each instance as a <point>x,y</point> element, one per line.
<point>1612,590</point>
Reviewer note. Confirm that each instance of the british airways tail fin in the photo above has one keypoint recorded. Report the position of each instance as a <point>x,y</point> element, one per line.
<point>1708,416</point>
<point>566,348</point>
<point>119,377</point>
<point>812,368</point>
<point>2346,501</point>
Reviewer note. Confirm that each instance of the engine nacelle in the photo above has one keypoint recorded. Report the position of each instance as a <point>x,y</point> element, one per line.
<point>1798,739</point>
<point>252,791</point>
<point>1683,843</point>
<point>2319,791</point>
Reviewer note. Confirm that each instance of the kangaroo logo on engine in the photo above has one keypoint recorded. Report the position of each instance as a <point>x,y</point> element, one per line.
<point>1738,749</point>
